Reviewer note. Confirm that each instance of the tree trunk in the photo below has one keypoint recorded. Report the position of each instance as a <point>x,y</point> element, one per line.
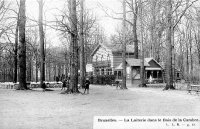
<point>197,41</point>
<point>191,59</point>
<point>187,60</point>
<point>153,32</point>
<point>181,54</point>
<point>66,64</point>
<point>30,68</point>
<point>49,63</point>
<point>22,47</point>
<point>135,39</point>
<point>16,50</point>
<point>124,47</point>
<point>42,52</point>
<point>36,70</point>
<point>158,50</point>
<point>82,53</point>
<point>142,70</point>
<point>169,79</point>
<point>74,48</point>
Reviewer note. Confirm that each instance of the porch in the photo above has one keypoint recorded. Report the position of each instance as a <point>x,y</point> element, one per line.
<point>154,75</point>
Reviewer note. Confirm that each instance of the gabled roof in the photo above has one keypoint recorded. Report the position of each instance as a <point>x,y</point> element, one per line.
<point>114,48</point>
<point>150,59</point>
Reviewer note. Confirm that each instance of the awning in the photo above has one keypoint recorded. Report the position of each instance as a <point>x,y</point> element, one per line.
<point>149,68</point>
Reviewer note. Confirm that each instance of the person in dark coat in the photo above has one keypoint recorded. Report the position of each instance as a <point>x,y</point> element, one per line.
<point>43,86</point>
<point>87,84</point>
<point>57,79</point>
<point>64,85</point>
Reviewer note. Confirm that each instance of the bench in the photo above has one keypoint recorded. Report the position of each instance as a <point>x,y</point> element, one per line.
<point>195,88</point>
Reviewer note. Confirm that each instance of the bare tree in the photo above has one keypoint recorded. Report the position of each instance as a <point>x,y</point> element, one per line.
<point>133,6</point>
<point>82,53</point>
<point>42,52</point>
<point>22,47</point>
<point>16,50</point>
<point>169,83</point>
<point>73,48</point>
<point>124,47</point>
<point>142,70</point>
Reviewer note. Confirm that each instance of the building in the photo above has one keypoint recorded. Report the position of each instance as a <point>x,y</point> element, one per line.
<point>107,59</point>
<point>132,69</point>
<point>153,72</point>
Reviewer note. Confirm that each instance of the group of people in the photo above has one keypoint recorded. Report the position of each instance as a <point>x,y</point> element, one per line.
<point>66,84</point>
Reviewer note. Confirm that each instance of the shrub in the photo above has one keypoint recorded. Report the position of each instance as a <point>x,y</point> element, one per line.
<point>102,79</point>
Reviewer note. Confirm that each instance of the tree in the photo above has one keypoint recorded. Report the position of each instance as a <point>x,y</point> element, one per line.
<point>134,10</point>
<point>169,79</point>
<point>82,53</point>
<point>73,48</point>
<point>16,50</point>
<point>124,47</point>
<point>142,70</point>
<point>42,52</point>
<point>22,47</point>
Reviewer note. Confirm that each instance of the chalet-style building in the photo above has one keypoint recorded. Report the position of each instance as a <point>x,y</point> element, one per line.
<point>107,59</point>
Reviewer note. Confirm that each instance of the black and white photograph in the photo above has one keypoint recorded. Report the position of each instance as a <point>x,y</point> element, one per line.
<point>99,64</point>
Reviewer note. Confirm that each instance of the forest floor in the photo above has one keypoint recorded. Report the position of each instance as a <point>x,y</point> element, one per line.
<point>51,110</point>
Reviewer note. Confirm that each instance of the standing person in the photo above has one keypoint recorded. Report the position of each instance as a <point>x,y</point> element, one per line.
<point>87,84</point>
<point>67,82</point>
<point>64,85</point>
<point>43,86</point>
<point>57,79</point>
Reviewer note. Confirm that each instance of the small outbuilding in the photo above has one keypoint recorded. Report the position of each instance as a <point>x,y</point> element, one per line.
<point>153,72</point>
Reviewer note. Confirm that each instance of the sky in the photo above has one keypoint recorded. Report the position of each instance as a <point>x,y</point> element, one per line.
<point>52,7</point>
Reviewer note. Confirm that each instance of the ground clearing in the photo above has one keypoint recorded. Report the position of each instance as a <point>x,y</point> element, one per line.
<point>52,110</point>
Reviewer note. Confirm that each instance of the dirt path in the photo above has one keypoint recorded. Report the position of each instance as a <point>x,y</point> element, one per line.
<point>52,110</point>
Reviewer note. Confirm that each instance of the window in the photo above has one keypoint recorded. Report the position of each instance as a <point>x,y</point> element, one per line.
<point>115,73</point>
<point>178,75</point>
<point>119,73</point>
<point>102,71</point>
<point>110,71</point>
